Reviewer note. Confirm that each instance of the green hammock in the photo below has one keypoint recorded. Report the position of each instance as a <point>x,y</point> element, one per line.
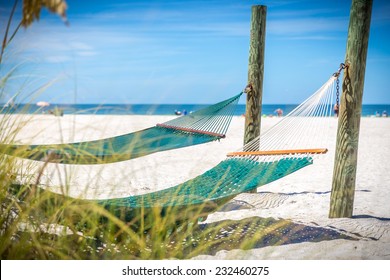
<point>197,197</point>
<point>202,126</point>
<point>241,171</point>
<point>261,161</point>
<point>224,181</point>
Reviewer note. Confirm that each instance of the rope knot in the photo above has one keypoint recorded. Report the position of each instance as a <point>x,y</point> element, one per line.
<point>248,88</point>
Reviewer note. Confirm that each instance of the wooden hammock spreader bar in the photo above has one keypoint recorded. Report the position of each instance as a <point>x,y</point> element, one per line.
<point>191,130</point>
<point>278,152</point>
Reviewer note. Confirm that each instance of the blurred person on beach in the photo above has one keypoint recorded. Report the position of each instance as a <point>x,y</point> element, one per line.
<point>336,109</point>
<point>279,112</point>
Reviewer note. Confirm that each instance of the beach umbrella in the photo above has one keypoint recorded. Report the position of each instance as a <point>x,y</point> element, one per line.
<point>43,104</point>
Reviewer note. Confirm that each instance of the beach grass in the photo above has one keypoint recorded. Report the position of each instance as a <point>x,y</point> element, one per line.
<point>38,223</point>
<point>40,220</point>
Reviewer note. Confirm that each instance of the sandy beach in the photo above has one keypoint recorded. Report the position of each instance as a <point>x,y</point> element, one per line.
<point>301,198</point>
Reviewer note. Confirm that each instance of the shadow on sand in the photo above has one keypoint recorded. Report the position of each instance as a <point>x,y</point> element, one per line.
<point>257,232</point>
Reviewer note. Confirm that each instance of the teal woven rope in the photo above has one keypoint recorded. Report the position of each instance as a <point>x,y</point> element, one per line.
<point>228,179</point>
<point>215,119</point>
<point>124,147</point>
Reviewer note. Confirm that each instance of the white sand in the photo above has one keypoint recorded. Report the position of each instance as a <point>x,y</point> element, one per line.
<point>302,197</point>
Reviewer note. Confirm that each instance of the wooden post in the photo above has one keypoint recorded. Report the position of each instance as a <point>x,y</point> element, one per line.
<point>255,74</point>
<point>344,174</point>
<point>254,90</point>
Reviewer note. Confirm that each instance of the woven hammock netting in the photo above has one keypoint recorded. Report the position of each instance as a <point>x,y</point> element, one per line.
<point>206,125</point>
<point>303,128</point>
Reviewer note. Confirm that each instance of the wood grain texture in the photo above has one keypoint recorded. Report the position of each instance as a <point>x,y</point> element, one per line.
<point>255,73</point>
<point>191,130</point>
<point>279,152</point>
<point>344,174</point>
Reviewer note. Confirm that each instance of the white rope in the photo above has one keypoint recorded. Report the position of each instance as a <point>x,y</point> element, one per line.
<point>303,128</point>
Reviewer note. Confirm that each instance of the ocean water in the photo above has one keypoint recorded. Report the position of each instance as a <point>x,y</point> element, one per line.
<point>162,109</point>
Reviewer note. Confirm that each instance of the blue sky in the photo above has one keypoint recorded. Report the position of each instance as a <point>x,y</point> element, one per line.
<point>192,51</point>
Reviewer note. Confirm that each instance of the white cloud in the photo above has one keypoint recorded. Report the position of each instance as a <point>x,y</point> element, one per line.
<point>301,26</point>
<point>57,58</point>
<point>86,53</point>
<point>80,46</point>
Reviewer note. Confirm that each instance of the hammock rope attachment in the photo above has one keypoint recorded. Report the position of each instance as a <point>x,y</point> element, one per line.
<point>337,74</point>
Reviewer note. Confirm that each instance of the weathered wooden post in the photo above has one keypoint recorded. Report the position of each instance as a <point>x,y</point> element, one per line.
<point>255,74</point>
<point>254,90</point>
<point>344,174</point>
